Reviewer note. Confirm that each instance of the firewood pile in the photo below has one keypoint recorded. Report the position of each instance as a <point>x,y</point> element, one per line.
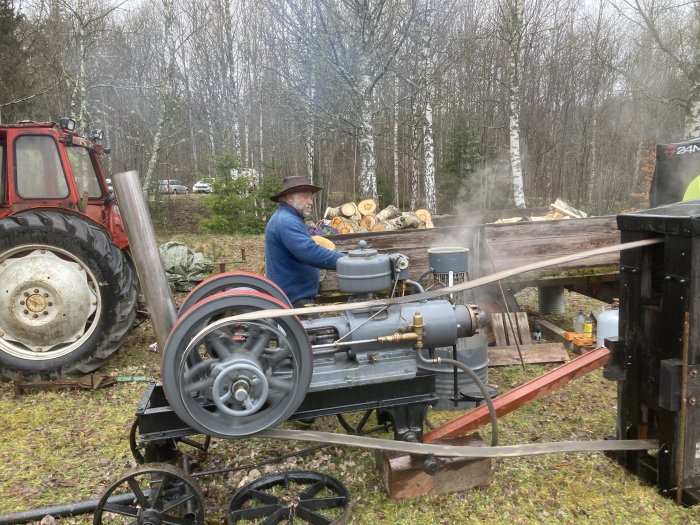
<point>557,210</point>
<point>363,217</point>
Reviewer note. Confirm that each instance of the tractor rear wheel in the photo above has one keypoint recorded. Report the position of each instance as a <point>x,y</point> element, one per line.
<point>67,295</point>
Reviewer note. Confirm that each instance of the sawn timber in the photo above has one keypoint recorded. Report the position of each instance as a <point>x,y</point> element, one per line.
<point>497,247</point>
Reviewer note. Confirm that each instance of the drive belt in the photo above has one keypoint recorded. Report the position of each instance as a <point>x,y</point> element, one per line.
<point>433,294</point>
<point>461,451</point>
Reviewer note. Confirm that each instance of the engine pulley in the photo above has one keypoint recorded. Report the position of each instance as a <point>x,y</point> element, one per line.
<point>229,378</point>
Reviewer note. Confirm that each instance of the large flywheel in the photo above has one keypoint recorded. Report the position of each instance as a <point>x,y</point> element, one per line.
<point>229,378</point>
<point>238,280</point>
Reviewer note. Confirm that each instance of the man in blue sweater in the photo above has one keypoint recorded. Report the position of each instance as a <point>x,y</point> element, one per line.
<point>292,258</point>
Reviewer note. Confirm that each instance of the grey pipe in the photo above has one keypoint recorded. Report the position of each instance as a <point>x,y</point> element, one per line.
<point>60,511</point>
<point>144,250</point>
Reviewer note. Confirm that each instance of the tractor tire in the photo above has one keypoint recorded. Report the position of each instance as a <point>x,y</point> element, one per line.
<point>67,296</point>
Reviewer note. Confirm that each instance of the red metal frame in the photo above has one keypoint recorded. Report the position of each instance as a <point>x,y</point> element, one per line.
<point>98,211</point>
<point>530,391</point>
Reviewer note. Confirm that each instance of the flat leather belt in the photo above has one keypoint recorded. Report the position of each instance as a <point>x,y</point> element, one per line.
<point>459,451</point>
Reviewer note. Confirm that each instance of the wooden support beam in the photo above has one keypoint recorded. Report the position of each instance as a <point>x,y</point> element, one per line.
<point>531,354</point>
<point>519,396</point>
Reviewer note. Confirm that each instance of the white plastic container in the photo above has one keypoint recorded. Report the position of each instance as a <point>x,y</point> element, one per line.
<point>607,324</point>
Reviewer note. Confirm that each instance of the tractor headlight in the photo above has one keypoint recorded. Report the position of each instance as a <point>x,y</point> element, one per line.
<point>66,123</point>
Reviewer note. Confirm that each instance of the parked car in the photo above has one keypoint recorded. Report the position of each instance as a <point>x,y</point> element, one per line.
<point>171,186</point>
<point>110,187</point>
<point>202,187</point>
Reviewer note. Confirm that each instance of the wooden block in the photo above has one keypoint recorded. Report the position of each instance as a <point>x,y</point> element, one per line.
<point>403,475</point>
<point>531,353</point>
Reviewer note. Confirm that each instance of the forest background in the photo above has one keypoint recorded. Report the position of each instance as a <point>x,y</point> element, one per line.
<point>445,104</point>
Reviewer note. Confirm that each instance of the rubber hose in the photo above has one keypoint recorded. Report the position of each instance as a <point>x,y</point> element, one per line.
<point>487,397</point>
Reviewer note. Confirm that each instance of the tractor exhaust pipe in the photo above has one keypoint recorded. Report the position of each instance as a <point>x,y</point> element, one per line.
<point>144,251</point>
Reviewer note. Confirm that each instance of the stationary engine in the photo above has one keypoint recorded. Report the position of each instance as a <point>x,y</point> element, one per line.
<point>378,343</point>
<point>231,370</point>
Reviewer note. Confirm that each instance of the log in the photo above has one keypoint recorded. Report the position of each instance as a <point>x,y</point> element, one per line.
<point>379,227</point>
<point>388,213</point>
<point>336,222</point>
<point>345,227</point>
<point>368,221</point>
<point>409,220</point>
<point>331,212</point>
<point>367,207</point>
<point>348,209</point>
<point>423,214</point>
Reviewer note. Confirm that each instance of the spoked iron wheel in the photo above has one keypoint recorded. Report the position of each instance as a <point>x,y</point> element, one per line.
<point>357,429</point>
<point>155,451</point>
<point>291,497</point>
<point>158,494</point>
<point>229,378</point>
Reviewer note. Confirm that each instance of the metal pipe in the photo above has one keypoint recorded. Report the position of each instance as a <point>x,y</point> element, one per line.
<point>60,511</point>
<point>144,249</point>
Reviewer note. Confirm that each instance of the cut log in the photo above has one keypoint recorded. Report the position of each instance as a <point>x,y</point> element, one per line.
<point>345,227</point>
<point>409,220</point>
<point>337,221</point>
<point>423,214</point>
<point>331,212</point>
<point>348,209</point>
<point>367,207</point>
<point>428,224</point>
<point>388,213</point>
<point>368,221</point>
<point>379,227</point>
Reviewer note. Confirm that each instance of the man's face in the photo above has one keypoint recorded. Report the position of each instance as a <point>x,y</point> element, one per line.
<point>303,202</point>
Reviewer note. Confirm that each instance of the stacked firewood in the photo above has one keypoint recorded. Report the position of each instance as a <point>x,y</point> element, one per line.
<point>363,217</point>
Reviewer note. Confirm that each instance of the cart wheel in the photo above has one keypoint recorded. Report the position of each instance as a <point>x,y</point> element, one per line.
<point>291,497</point>
<point>154,451</point>
<point>355,430</point>
<point>157,494</point>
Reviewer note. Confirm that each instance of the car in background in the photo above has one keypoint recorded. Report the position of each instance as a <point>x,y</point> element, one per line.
<point>171,186</point>
<point>110,187</point>
<point>202,187</point>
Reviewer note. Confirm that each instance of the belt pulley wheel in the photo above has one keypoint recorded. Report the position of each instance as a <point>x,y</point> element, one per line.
<point>161,494</point>
<point>229,378</point>
<point>232,281</point>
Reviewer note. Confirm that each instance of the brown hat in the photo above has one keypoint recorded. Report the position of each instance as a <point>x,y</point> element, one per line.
<point>293,185</point>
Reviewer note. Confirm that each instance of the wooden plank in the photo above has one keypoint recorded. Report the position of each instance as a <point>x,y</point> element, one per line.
<point>510,245</point>
<point>519,396</point>
<point>552,331</point>
<point>499,330</point>
<point>532,354</point>
<point>523,328</point>
<point>513,245</point>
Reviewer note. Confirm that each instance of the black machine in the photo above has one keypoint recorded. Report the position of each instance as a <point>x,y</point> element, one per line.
<point>656,359</point>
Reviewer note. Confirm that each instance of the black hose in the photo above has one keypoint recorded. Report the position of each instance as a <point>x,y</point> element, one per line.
<point>487,397</point>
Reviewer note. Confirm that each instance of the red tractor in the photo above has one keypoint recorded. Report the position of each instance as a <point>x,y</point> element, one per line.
<point>67,287</point>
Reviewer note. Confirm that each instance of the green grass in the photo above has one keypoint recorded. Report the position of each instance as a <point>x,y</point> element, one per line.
<point>62,447</point>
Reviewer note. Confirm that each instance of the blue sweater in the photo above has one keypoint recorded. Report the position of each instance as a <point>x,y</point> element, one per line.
<point>292,258</point>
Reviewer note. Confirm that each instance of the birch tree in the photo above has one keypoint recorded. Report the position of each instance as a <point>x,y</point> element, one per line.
<point>359,41</point>
<point>512,31</point>
<point>674,26</point>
